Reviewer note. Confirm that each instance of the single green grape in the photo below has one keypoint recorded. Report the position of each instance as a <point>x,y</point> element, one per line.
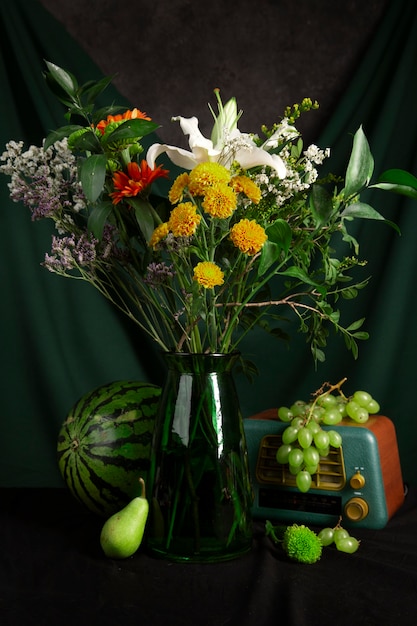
<point>327,400</point>
<point>348,544</point>
<point>352,408</point>
<point>373,406</point>
<point>326,536</point>
<point>335,438</point>
<point>289,434</point>
<point>321,439</point>
<point>298,408</point>
<point>283,452</point>
<point>298,421</point>
<point>305,437</point>
<point>361,416</point>
<point>303,481</point>
<point>296,457</point>
<point>340,533</point>
<point>362,398</point>
<point>331,416</point>
<point>313,426</point>
<point>285,414</point>
<point>311,456</point>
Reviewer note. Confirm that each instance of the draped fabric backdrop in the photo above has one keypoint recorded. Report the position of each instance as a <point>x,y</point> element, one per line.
<point>60,339</point>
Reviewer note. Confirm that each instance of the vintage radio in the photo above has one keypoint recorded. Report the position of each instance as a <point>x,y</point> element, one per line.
<point>360,481</point>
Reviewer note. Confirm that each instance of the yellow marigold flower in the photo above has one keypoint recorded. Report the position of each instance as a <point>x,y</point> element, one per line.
<point>243,184</point>
<point>220,201</point>
<point>177,190</point>
<point>248,236</point>
<point>158,234</point>
<point>208,274</point>
<point>184,220</point>
<point>206,174</point>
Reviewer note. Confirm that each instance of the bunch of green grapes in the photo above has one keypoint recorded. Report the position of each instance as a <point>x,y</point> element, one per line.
<point>304,441</point>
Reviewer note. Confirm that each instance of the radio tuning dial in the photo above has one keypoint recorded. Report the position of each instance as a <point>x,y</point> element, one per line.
<point>356,509</point>
<point>357,481</point>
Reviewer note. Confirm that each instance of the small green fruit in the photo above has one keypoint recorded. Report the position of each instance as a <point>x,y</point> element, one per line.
<point>122,533</point>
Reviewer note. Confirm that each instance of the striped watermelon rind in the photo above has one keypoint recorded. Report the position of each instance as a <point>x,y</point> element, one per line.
<point>104,444</point>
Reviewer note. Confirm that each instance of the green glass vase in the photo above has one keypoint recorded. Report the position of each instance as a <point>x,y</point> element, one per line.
<point>199,484</point>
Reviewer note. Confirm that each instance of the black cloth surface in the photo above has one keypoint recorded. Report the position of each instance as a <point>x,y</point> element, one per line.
<point>52,572</point>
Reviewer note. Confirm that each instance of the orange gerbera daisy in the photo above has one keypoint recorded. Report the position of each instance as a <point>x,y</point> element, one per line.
<point>138,178</point>
<point>127,115</point>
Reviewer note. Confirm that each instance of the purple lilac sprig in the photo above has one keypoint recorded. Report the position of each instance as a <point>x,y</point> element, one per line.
<point>44,180</point>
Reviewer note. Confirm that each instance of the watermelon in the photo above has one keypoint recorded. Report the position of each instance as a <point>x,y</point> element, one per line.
<point>104,444</point>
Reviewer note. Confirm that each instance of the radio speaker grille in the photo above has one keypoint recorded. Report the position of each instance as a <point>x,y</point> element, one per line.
<point>330,472</point>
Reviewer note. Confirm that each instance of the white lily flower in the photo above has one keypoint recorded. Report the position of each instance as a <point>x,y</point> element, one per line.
<point>227,144</point>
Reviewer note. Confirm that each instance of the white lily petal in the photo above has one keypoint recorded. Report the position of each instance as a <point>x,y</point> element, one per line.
<point>189,126</point>
<point>256,156</point>
<point>179,156</point>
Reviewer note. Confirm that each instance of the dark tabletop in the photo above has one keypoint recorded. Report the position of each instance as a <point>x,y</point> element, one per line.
<point>53,573</point>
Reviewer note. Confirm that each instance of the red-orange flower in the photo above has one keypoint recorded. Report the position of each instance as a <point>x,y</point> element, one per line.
<point>138,178</point>
<point>127,115</point>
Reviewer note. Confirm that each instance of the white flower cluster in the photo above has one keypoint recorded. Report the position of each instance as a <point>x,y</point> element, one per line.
<point>300,174</point>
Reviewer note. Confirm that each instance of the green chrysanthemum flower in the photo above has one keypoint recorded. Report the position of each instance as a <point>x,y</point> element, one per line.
<point>302,544</point>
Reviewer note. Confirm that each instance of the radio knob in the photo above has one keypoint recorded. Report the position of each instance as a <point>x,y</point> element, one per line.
<point>357,481</point>
<point>356,509</point>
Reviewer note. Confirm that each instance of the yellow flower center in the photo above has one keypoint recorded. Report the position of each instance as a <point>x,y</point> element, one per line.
<point>205,175</point>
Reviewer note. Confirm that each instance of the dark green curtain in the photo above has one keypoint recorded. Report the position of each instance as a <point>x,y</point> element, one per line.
<point>59,339</point>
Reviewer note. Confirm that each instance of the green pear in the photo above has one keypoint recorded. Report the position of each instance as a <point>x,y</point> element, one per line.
<point>122,533</point>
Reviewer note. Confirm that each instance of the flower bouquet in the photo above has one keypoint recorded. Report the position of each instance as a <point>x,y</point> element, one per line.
<point>247,232</point>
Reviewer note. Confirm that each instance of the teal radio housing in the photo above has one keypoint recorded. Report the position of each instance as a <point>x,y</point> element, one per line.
<point>360,482</point>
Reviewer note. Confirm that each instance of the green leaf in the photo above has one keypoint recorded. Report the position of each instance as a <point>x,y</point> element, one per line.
<point>279,238</point>
<point>280,233</point>
<point>365,211</point>
<point>92,175</point>
<point>402,190</point>
<point>321,204</point>
<point>360,167</point>
<point>93,89</point>
<point>356,325</point>
<point>397,181</point>
<point>398,177</point>
<point>144,216</point>
<point>270,254</point>
<point>131,129</point>
<point>301,275</point>
<point>98,218</point>
<point>64,79</point>
<point>60,133</point>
